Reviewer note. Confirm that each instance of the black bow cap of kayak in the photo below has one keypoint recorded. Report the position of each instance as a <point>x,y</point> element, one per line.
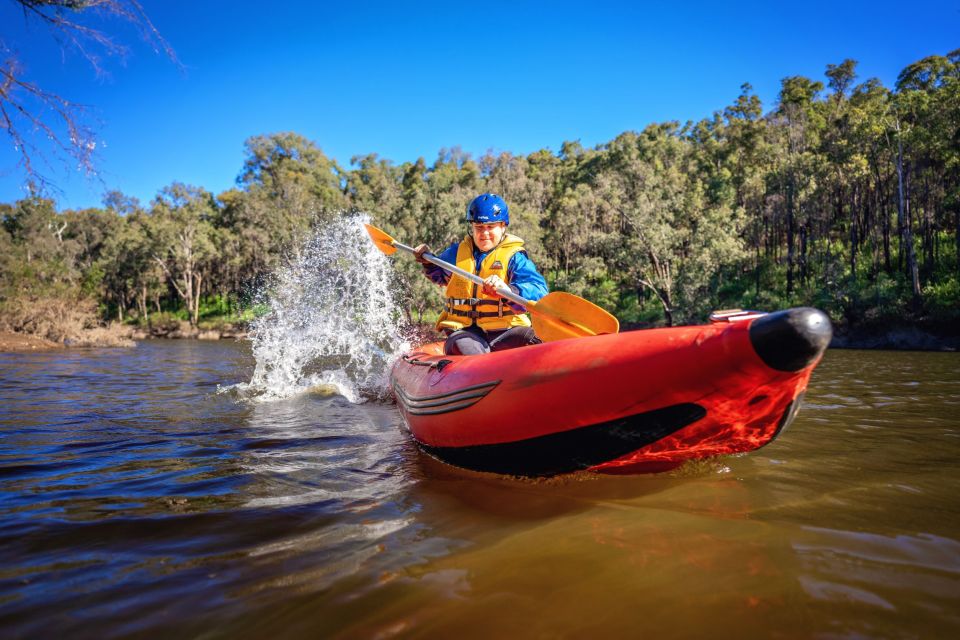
<point>792,339</point>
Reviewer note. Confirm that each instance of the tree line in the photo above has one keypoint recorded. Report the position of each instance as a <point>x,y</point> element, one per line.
<point>843,195</point>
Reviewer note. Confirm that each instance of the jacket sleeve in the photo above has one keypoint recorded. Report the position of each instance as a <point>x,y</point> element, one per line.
<point>437,274</point>
<point>524,278</point>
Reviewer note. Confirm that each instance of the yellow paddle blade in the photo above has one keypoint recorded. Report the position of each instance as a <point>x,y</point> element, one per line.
<point>560,315</point>
<point>381,239</point>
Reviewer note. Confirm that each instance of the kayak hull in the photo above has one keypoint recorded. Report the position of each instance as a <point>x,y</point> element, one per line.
<point>632,402</point>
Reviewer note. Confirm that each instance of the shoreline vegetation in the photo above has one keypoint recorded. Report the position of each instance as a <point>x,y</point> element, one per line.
<point>843,195</point>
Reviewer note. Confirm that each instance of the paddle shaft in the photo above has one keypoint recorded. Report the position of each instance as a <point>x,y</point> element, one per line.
<point>472,277</point>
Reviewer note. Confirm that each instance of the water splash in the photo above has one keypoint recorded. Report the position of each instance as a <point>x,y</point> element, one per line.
<point>333,323</point>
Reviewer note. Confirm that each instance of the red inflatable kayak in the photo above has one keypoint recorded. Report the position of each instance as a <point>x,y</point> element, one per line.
<point>631,402</point>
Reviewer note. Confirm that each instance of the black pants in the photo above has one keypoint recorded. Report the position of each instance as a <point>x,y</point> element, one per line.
<point>473,340</point>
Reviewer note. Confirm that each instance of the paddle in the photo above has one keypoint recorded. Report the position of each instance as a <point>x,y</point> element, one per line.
<point>556,316</point>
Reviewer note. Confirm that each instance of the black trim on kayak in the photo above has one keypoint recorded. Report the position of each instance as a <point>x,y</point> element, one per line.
<point>788,415</point>
<point>435,364</point>
<point>572,450</point>
<point>443,402</point>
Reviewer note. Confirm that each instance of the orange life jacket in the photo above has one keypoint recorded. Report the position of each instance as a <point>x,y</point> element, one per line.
<point>467,304</point>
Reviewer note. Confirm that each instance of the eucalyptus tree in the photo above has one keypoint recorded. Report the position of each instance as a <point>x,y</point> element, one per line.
<point>374,186</point>
<point>110,239</point>
<point>512,177</point>
<point>7,251</point>
<point>847,167</point>
<point>433,209</point>
<point>749,159</point>
<point>799,123</point>
<point>871,129</point>
<point>646,189</point>
<point>127,268</point>
<point>255,247</point>
<point>38,230</point>
<point>289,186</point>
<point>916,86</point>
<point>946,109</point>
<point>40,282</point>
<point>679,229</point>
<point>452,182</point>
<point>571,215</point>
<point>928,101</point>
<point>181,235</point>
<point>88,231</point>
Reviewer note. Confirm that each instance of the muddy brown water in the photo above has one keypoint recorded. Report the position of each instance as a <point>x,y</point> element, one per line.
<point>137,501</point>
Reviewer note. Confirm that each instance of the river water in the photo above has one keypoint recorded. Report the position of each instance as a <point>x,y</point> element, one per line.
<point>141,495</point>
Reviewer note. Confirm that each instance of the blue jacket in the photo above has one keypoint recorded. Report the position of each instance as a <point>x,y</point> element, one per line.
<point>522,274</point>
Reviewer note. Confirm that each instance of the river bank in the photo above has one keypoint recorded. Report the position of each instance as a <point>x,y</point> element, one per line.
<point>117,335</point>
<point>896,339</point>
<point>183,331</point>
<point>923,334</point>
<point>10,341</point>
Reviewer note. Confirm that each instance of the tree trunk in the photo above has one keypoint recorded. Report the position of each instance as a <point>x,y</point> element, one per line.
<point>790,237</point>
<point>665,296</point>
<point>854,240</point>
<point>186,294</point>
<point>144,302</point>
<point>926,240</point>
<point>956,234</point>
<point>884,218</point>
<point>903,219</point>
<point>756,271</point>
<point>802,262</point>
<point>195,317</point>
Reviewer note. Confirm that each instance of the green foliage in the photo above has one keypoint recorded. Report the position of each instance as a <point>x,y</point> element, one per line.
<point>798,206</point>
<point>883,298</point>
<point>944,297</point>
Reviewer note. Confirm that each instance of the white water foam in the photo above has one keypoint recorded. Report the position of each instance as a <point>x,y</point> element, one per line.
<point>333,323</point>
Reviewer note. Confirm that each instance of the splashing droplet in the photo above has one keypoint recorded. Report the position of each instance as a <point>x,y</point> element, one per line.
<point>332,319</point>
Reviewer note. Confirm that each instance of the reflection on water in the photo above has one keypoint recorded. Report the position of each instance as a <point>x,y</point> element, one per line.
<point>137,500</point>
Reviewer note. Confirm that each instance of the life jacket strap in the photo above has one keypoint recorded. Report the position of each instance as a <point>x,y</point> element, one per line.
<point>455,306</point>
<point>472,302</point>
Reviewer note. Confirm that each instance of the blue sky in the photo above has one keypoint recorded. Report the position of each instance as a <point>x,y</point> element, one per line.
<point>405,80</point>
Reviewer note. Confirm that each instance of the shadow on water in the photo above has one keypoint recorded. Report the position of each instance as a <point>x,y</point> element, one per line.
<point>509,498</point>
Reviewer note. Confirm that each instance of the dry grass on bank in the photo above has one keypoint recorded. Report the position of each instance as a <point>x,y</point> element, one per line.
<point>64,321</point>
<point>21,342</point>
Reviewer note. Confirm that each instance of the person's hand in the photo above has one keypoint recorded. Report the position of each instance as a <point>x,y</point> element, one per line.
<point>418,252</point>
<point>491,284</point>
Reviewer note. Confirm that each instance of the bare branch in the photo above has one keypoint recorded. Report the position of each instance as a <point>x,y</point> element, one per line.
<point>35,118</point>
<point>26,109</point>
<point>53,13</point>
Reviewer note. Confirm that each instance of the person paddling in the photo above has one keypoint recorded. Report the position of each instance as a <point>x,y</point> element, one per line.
<point>476,319</point>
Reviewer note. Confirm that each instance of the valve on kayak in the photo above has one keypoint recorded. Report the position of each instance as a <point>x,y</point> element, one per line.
<point>733,315</point>
<point>790,340</point>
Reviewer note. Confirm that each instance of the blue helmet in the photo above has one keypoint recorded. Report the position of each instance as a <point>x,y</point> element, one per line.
<point>488,208</point>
